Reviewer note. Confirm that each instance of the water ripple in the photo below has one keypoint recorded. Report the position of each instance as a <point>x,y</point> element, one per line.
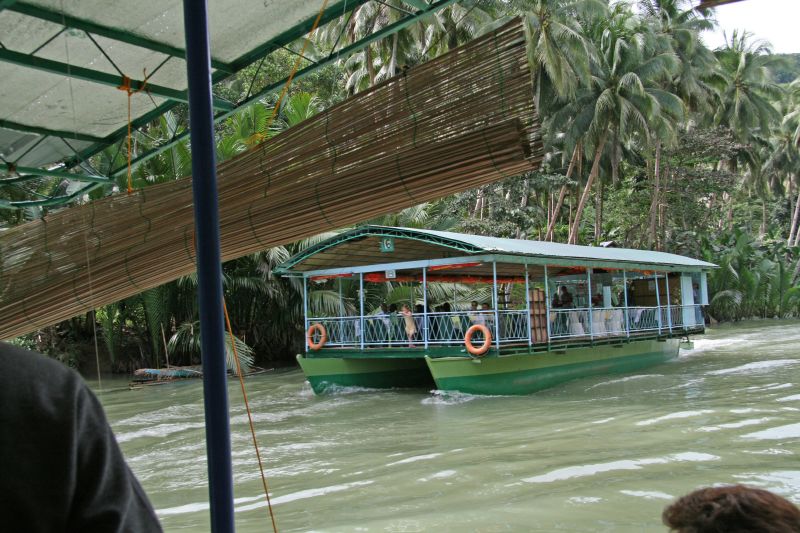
<point>789,431</point>
<point>625,464</point>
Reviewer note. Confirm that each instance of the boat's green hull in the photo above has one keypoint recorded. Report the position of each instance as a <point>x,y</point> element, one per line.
<point>507,374</point>
<point>526,373</point>
<point>325,373</point>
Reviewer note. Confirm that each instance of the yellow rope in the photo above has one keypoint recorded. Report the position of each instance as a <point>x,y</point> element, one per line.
<point>249,415</point>
<point>225,307</point>
<point>126,86</point>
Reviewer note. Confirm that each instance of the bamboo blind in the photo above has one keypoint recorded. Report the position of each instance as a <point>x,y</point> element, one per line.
<point>460,121</point>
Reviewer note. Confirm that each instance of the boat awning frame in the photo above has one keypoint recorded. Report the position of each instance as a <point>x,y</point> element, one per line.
<point>489,249</point>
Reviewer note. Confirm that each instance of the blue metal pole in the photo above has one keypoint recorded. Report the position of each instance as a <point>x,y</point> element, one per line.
<point>425,306</point>
<point>209,266</point>
<point>547,305</point>
<point>305,310</point>
<point>589,289</point>
<point>528,309</point>
<point>627,311</point>
<point>495,302</point>
<point>658,303</point>
<point>669,308</point>
<point>361,307</point>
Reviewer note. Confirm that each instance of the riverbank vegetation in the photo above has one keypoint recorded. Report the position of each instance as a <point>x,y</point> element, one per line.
<point>652,141</point>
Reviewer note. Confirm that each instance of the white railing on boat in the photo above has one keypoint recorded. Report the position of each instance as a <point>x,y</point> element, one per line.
<point>507,326</point>
<point>623,321</point>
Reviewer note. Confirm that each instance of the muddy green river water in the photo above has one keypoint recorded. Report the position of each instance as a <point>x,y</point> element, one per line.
<point>599,454</point>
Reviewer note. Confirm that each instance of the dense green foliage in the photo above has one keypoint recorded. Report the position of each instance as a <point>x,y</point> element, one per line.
<point>652,141</point>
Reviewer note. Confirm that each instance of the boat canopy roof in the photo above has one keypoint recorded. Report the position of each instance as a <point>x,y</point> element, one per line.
<point>374,248</point>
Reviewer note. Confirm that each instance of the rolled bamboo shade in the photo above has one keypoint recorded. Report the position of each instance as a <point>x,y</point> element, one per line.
<point>460,121</point>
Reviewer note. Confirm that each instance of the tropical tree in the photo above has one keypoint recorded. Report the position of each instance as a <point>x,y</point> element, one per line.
<point>625,94</point>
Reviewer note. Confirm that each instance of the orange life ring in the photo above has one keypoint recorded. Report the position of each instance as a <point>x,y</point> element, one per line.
<point>323,336</point>
<point>487,339</point>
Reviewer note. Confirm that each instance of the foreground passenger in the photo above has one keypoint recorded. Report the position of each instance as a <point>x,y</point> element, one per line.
<point>732,509</point>
<point>60,466</point>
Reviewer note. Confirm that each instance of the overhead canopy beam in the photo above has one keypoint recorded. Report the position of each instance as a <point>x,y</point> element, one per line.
<point>9,125</point>
<point>254,55</point>
<point>49,202</point>
<point>29,173</point>
<point>227,109</point>
<point>104,78</point>
<point>274,87</point>
<point>104,31</point>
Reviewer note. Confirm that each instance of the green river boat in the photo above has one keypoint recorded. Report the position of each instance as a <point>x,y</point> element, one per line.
<point>485,315</point>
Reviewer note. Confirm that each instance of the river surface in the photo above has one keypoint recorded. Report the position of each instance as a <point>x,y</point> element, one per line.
<point>598,454</point>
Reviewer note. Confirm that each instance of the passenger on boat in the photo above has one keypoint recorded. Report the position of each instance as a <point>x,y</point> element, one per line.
<point>396,333</point>
<point>475,317</point>
<point>562,300</point>
<point>566,297</point>
<point>383,332</point>
<point>488,319</point>
<point>698,311</point>
<point>410,325</point>
<point>733,509</point>
<point>62,469</point>
<point>419,311</point>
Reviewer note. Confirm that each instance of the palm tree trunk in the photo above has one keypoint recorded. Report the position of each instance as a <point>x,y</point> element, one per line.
<point>573,233</point>
<point>651,234</point>
<point>370,65</point>
<point>561,194</point>
<point>393,60</point>
<point>598,218</point>
<point>793,229</point>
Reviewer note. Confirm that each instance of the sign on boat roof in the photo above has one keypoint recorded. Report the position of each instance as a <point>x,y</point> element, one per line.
<point>359,248</point>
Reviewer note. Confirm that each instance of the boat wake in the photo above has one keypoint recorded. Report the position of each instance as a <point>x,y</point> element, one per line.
<point>443,397</point>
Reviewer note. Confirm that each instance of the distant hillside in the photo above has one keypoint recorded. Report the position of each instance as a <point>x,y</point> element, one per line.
<point>790,71</point>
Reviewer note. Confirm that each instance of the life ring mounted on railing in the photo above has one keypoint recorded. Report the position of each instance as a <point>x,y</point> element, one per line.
<point>487,340</point>
<point>323,336</point>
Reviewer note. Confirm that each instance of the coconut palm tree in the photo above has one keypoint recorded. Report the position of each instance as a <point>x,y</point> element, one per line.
<point>625,95</point>
<point>746,98</point>
<point>560,56</point>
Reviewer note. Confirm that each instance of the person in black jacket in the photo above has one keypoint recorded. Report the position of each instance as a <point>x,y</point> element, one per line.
<point>60,466</point>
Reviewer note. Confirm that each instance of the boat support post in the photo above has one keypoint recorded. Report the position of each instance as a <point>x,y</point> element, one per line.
<point>528,307</point>
<point>658,303</point>
<point>305,309</point>
<point>361,307</point>
<point>669,309</point>
<point>547,306</point>
<point>589,301</point>
<point>627,311</point>
<point>209,265</point>
<point>425,306</point>
<point>496,305</point>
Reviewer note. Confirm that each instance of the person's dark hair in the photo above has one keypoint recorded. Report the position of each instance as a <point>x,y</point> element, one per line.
<point>732,509</point>
<point>446,307</point>
<point>419,308</point>
<point>392,308</point>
